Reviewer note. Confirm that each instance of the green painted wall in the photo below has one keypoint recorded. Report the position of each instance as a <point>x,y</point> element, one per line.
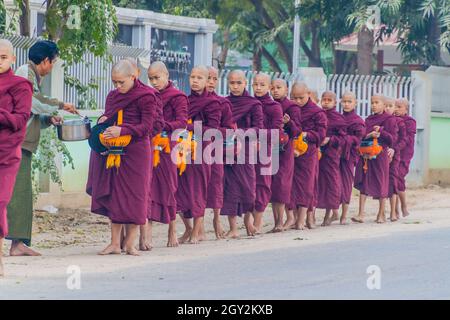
<point>440,143</point>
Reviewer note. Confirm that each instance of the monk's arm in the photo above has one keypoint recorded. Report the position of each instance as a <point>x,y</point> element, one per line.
<point>277,118</point>
<point>181,114</point>
<point>402,138</point>
<point>411,130</point>
<point>158,117</point>
<point>17,119</point>
<point>319,132</point>
<point>227,118</point>
<point>212,112</point>
<point>294,124</point>
<point>257,118</point>
<point>147,117</point>
<point>388,133</point>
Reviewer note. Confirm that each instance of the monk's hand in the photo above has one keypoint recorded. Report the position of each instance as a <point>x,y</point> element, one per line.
<point>376,128</point>
<point>112,132</point>
<point>391,153</point>
<point>373,134</point>
<point>286,118</point>
<point>325,141</point>
<point>56,120</point>
<point>70,107</point>
<point>304,134</point>
<point>102,119</point>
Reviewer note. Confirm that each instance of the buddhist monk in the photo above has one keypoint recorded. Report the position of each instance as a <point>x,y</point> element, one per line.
<point>122,192</point>
<point>394,159</point>
<point>372,174</point>
<point>407,153</point>
<point>15,109</point>
<point>191,195</point>
<point>273,119</point>
<point>306,174</point>
<point>163,207</point>
<point>282,181</point>
<point>240,178</point>
<point>330,182</point>
<point>215,188</point>
<point>356,130</point>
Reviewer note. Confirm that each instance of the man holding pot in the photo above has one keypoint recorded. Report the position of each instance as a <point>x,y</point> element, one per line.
<point>42,57</point>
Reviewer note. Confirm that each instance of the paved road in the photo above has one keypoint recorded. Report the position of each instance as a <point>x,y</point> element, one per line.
<point>413,265</point>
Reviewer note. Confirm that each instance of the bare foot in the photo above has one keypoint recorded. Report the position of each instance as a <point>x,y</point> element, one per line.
<point>131,251</point>
<point>172,241</point>
<point>194,240</point>
<point>380,220</point>
<point>21,249</point>
<point>393,218</point>
<point>111,249</point>
<point>218,230</point>
<point>185,237</point>
<point>288,224</point>
<point>144,245</point>
<point>335,217</point>
<point>310,223</point>
<point>251,230</point>
<point>358,219</point>
<point>405,213</point>
<point>232,234</point>
<point>300,226</point>
<point>343,221</point>
<point>326,222</point>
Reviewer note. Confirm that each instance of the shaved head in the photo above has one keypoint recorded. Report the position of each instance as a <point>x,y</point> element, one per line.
<point>262,77</point>
<point>403,101</point>
<point>401,107</point>
<point>237,73</point>
<point>124,67</point>
<point>328,100</point>
<point>213,79</point>
<point>279,81</point>
<point>201,69</point>
<point>300,87</point>
<point>349,94</point>
<point>213,70</point>
<point>6,44</point>
<point>380,97</point>
<point>158,66</point>
<point>330,94</point>
<point>300,94</point>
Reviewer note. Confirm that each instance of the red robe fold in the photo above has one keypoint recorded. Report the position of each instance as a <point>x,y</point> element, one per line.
<point>216,183</point>
<point>330,183</point>
<point>394,166</point>
<point>407,152</point>
<point>15,109</point>
<point>240,179</point>
<point>375,182</point>
<point>282,180</point>
<point>165,178</point>
<point>306,173</point>
<point>123,194</point>
<point>273,119</point>
<point>193,183</point>
<point>356,131</point>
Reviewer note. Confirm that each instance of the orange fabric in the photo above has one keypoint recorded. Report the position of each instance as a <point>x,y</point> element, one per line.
<point>370,152</point>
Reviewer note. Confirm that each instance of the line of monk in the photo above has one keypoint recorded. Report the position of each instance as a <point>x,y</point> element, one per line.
<point>316,155</point>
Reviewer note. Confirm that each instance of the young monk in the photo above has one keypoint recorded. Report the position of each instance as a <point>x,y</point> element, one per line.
<point>193,183</point>
<point>215,187</point>
<point>122,192</point>
<point>394,159</point>
<point>15,107</point>
<point>314,96</point>
<point>356,130</point>
<point>282,181</point>
<point>163,206</point>
<point>375,181</point>
<point>273,119</point>
<point>240,179</point>
<point>330,182</point>
<point>306,175</point>
<point>407,153</point>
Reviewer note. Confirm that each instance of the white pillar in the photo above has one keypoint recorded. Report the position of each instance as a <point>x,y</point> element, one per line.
<point>203,49</point>
<point>422,93</point>
<point>315,79</point>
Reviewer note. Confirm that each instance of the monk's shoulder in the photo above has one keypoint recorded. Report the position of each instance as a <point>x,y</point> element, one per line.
<point>21,85</point>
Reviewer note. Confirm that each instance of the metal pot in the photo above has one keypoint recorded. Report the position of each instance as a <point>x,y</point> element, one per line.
<point>74,130</point>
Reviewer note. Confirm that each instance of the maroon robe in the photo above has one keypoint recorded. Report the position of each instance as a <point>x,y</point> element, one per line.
<point>394,166</point>
<point>282,180</point>
<point>273,119</point>
<point>15,106</point>
<point>215,188</point>
<point>240,179</point>
<point>165,178</point>
<point>330,183</point>
<point>123,194</point>
<point>375,182</point>
<point>193,183</point>
<point>306,172</point>
<point>407,152</point>
<point>356,130</point>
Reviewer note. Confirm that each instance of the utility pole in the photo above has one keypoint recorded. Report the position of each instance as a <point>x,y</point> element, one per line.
<point>296,40</point>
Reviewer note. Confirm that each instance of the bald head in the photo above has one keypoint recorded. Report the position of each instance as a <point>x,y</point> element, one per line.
<point>7,46</point>
<point>237,74</point>
<point>300,87</point>
<point>378,103</point>
<point>213,79</point>
<point>300,93</point>
<point>349,94</point>
<point>401,107</point>
<point>124,67</point>
<point>199,79</point>
<point>237,82</point>
<point>348,101</point>
<point>279,89</point>
<point>201,69</point>
<point>261,76</point>
<point>158,67</point>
